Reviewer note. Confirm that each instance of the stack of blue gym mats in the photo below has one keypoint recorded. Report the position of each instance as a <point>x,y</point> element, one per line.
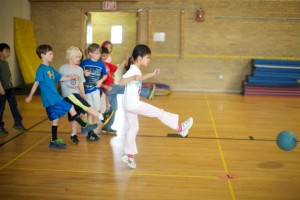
<point>273,77</point>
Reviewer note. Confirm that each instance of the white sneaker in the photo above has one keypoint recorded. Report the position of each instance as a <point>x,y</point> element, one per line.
<point>186,125</point>
<point>129,161</point>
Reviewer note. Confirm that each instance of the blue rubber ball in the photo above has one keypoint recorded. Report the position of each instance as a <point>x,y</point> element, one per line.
<point>286,140</point>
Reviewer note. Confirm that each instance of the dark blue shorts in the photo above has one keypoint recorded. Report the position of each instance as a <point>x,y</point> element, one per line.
<point>58,110</point>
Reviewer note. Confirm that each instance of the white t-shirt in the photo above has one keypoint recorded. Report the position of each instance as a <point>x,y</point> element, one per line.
<point>72,86</point>
<point>131,98</point>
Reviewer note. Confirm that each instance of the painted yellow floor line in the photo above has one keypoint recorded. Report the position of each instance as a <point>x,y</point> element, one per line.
<point>27,150</point>
<point>134,173</point>
<point>24,152</point>
<point>219,146</point>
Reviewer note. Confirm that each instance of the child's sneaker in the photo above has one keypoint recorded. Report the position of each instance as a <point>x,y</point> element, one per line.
<point>109,131</point>
<point>93,137</point>
<point>20,127</point>
<point>3,131</point>
<point>107,116</point>
<point>151,93</point>
<point>74,139</point>
<point>88,128</point>
<point>185,127</point>
<point>57,144</point>
<point>129,161</point>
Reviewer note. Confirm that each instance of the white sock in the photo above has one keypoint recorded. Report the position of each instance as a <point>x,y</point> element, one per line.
<point>101,116</point>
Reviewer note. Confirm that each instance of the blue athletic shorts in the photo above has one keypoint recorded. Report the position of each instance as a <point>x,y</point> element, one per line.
<point>58,110</point>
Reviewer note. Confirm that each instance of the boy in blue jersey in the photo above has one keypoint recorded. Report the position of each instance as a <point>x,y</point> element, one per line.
<point>94,74</point>
<point>56,106</point>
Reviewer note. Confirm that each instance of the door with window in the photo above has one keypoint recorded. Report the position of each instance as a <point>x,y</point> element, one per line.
<point>118,27</point>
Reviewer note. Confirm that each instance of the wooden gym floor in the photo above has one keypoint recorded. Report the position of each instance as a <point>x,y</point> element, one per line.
<point>231,153</point>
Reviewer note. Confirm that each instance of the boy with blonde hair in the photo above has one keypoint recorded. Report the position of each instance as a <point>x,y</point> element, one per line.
<point>73,91</point>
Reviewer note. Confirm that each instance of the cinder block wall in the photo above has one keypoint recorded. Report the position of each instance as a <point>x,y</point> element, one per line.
<point>194,54</point>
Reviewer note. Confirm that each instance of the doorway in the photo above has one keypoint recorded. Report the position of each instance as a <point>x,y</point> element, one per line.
<point>99,28</point>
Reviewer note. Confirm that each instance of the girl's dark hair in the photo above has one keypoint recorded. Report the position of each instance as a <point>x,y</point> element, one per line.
<point>130,61</point>
<point>139,50</point>
<point>43,49</point>
<point>104,50</point>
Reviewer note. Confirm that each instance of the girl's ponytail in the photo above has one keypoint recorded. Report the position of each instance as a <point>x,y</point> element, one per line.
<point>130,61</point>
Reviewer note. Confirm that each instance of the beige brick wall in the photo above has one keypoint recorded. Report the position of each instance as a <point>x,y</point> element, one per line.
<point>102,22</point>
<point>233,33</point>
<point>8,10</point>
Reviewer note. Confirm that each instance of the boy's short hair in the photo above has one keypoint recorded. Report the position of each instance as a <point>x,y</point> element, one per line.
<point>104,50</point>
<point>93,47</point>
<point>4,46</point>
<point>43,49</point>
<point>72,51</point>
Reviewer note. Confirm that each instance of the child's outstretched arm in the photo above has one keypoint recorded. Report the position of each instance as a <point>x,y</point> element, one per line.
<point>154,73</point>
<point>33,89</point>
<point>69,77</point>
<point>124,62</point>
<point>106,87</point>
<point>124,81</point>
<point>81,90</point>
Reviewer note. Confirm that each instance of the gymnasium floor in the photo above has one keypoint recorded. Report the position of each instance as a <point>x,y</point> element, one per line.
<point>231,153</point>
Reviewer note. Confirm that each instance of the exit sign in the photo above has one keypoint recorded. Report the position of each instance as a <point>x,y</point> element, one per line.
<point>109,5</point>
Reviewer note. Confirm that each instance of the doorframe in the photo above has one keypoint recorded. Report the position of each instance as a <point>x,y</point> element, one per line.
<point>83,24</point>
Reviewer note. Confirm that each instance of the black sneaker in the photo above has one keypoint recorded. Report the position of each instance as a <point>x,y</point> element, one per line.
<point>88,128</point>
<point>107,116</point>
<point>93,137</point>
<point>3,132</point>
<point>74,139</point>
<point>109,131</point>
<point>58,144</point>
<point>19,127</point>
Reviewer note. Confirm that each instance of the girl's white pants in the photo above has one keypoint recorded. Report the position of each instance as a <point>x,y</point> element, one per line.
<point>132,123</point>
